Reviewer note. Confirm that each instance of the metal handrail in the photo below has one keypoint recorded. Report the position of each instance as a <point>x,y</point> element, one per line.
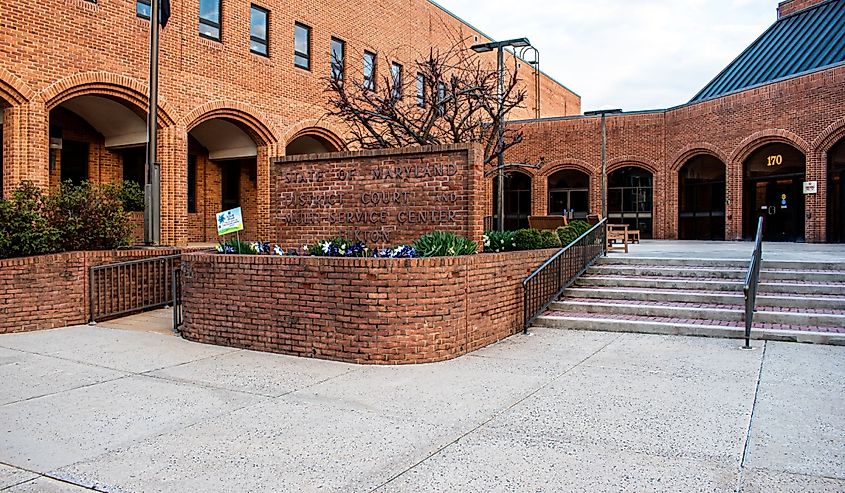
<point>126,287</point>
<point>541,289</point>
<point>752,282</point>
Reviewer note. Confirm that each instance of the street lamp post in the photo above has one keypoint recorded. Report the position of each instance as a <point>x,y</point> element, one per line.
<point>603,114</point>
<point>500,46</point>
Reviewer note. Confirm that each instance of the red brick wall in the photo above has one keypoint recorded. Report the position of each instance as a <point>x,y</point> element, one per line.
<point>48,291</point>
<point>806,112</point>
<point>383,198</point>
<point>377,311</point>
<point>790,6</point>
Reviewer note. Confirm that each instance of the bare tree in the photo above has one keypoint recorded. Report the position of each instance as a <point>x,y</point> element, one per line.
<point>448,96</point>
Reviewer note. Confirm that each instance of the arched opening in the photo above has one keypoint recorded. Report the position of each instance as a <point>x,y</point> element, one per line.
<point>701,199</point>
<point>97,138</point>
<point>630,199</point>
<point>772,188</point>
<point>517,200</point>
<point>836,193</point>
<point>222,175</point>
<point>310,144</point>
<point>569,193</point>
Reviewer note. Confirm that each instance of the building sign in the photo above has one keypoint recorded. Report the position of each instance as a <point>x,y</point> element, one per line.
<point>230,221</point>
<point>810,187</point>
<point>383,198</point>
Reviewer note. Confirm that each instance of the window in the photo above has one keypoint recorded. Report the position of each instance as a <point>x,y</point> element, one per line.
<point>192,183</point>
<point>338,59</point>
<point>143,9</point>
<point>210,19</point>
<point>369,71</point>
<point>302,46</point>
<point>441,97</point>
<point>258,22</point>
<point>396,79</point>
<point>421,90</point>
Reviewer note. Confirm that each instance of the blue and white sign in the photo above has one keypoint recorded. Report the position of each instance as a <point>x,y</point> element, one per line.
<point>230,221</point>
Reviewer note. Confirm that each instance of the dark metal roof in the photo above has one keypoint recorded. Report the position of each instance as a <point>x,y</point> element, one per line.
<point>802,42</point>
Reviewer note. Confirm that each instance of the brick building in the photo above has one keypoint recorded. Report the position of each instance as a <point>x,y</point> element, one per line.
<point>744,146</point>
<point>241,83</point>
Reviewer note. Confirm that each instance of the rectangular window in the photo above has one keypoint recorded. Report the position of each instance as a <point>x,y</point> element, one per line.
<point>396,79</point>
<point>369,71</point>
<point>338,59</point>
<point>441,96</point>
<point>302,46</point>
<point>143,9</point>
<point>210,19</point>
<point>192,183</point>
<point>258,22</point>
<point>421,90</point>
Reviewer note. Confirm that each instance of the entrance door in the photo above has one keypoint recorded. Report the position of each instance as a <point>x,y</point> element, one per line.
<point>773,188</point>
<point>781,203</point>
<point>74,161</point>
<point>836,194</point>
<point>568,194</point>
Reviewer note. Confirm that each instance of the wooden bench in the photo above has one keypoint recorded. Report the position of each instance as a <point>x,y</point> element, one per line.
<point>617,237</point>
<point>547,222</point>
<point>633,236</point>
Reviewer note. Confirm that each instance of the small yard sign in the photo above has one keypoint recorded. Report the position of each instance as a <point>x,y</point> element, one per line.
<point>230,221</point>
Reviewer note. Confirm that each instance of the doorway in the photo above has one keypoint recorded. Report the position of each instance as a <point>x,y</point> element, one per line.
<point>630,199</point>
<point>701,199</point>
<point>74,161</point>
<point>773,189</point>
<point>517,200</point>
<point>569,194</point>
<point>836,193</point>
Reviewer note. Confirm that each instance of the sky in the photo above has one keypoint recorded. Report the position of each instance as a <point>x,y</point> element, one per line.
<point>634,55</point>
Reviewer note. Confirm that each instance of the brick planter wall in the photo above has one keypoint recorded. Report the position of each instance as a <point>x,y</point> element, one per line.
<point>49,291</point>
<point>377,311</point>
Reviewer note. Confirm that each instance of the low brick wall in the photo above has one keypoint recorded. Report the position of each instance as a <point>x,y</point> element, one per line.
<point>48,291</point>
<point>377,311</point>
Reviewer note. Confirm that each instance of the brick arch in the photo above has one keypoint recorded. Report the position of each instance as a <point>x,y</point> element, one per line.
<point>121,87</point>
<point>829,137</point>
<point>236,112</point>
<point>13,90</point>
<point>691,151</point>
<point>576,164</point>
<point>315,128</point>
<point>763,137</point>
<point>636,161</point>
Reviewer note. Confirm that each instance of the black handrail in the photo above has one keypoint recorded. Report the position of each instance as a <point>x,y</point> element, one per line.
<point>548,281</point>
<point>752,281</point>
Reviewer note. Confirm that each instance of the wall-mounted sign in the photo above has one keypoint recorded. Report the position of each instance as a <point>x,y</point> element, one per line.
<point>810,187</point>
<point>230,221</point>
<point>774,160</point>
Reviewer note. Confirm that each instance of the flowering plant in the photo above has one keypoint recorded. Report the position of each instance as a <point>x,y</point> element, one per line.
<point>338,247</point>
<point>499,241</point>
<point>401,251</point>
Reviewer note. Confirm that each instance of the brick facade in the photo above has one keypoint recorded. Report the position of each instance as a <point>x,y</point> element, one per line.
<point>791,6</point>
<point>376,311</point>
<point>805,112</point>
<point>49,291</point>
<point>55,51</point>
<point>382,198</point>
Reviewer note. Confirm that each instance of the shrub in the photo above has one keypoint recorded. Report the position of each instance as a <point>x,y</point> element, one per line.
<point>89,216</point>
<point>132,196</point>
<point>444,244</point>
<point>499,241</point>
<point>24,228</point>
<point>567,235</point>
<point>550,239</point>
<point>580,226</point>
<point>528,239</point>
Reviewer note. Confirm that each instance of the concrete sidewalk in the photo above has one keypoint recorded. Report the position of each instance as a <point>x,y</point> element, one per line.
<point>117,410</point>
<point>735,250</point>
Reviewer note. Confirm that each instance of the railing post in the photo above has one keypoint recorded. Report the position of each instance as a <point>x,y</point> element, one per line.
<point>91,320</point>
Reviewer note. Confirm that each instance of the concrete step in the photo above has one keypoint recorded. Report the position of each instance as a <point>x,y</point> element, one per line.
<point>732,285</point>
<point>814,302</point>
<point>729,313</point>
<point>728,263</point>
<point>701,272</point>
<point>815,335</point>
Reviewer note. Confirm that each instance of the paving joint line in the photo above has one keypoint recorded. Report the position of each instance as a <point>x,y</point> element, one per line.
<point>741,475</point>
<point>71,389</point>
<point>37,476</point>
<point>498,414</point>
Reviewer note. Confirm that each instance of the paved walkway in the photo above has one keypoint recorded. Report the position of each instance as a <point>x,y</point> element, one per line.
<point>120,410</point>
<point>733,250</point>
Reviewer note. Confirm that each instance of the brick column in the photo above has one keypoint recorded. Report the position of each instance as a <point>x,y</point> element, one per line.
<point>173,158</point>
<point>266,155</point>
<point>815,204</point>
<point>25,146</point>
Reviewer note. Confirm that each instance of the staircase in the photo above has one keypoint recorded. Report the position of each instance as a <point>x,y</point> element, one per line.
<point>797,301</point>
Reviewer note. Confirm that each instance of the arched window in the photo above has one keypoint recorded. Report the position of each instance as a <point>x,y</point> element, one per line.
<point>569,193</point>
<point>517,200</point>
